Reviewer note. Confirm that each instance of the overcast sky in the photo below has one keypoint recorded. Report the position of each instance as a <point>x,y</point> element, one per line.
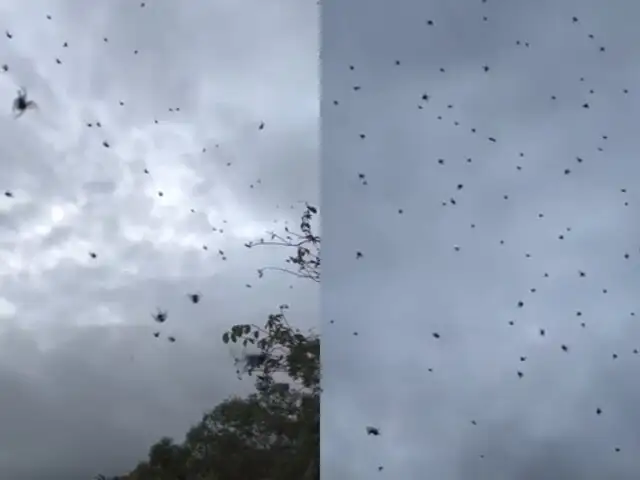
<point>85,388</point>
<point>442,269</point>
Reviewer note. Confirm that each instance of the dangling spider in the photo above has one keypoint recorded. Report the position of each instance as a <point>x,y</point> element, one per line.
<point>249,362</point>
<point>21,104</point>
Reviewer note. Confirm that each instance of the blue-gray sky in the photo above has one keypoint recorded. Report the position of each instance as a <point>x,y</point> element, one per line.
<point>442,269</point>
<point>84,386</point>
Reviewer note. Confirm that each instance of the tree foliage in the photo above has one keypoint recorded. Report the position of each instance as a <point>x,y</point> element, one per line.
<point>274,433</point>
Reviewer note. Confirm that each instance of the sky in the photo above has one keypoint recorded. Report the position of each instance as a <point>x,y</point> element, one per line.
<point>85,388</point>
<point>455,230</point>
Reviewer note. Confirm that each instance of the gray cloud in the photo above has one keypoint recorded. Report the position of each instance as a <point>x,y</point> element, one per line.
<point>412,282</point>
<point>84,386</point>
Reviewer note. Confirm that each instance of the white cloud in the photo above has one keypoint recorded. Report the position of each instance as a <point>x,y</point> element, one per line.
<point>76,330</point>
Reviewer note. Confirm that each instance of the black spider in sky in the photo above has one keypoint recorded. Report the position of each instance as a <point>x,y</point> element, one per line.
<point>21,103</point>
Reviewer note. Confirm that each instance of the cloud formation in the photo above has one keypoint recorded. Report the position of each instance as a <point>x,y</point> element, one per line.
<point>180,93</point>
<point>455,229</point>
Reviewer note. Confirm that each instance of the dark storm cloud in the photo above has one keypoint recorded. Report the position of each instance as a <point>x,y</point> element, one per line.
<point>434,268</point>
<point>85,387</point>
<point>54,399</point>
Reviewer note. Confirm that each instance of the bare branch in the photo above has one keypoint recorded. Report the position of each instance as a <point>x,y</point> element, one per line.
<point>306,244</point>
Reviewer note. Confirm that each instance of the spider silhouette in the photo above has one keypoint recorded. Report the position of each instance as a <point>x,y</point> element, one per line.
<point>160,316</point>
<point>249,362</point>
<point>21,104</point>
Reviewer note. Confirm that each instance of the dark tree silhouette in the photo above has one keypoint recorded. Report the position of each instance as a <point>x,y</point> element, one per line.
<point>274,433</point>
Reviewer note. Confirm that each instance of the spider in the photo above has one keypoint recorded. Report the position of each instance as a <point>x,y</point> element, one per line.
<point>249,362</point>
<point>160,317</point>
<point>21,104</point>
<point>254,360</point>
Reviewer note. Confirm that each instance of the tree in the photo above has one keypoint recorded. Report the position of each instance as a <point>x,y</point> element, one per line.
<point>305,243</point>
<point>273,433</point>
